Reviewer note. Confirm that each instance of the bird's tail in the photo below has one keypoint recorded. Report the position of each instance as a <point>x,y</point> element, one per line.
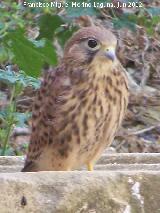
<point>30,167</point>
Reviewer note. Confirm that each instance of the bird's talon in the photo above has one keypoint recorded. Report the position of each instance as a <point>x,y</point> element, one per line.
<point>90,167</point>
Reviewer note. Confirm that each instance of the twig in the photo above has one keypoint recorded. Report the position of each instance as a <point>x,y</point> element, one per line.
<point>143,130</point>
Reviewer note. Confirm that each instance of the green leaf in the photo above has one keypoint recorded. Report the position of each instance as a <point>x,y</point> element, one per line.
<point>124,22</point>
<point>12,78</point>
<point>7,77</point>
<point>64,34</point>
<point>1,25</point>
<point>29,57</point>
<point>3,54</point>
<point>2,133</point>
<point>48,53</point>
<point>155,20</point>
<point>27,80</point>
<point>150,31</point>
<point>154,11</point>
<point>21,119</point>
<point>9,151</point>
<point>48,24</point>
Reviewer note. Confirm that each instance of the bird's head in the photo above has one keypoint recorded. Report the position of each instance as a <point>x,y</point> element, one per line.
<point>91,44</point>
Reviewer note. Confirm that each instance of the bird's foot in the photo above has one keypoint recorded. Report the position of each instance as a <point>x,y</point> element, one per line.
<point>90,167</point>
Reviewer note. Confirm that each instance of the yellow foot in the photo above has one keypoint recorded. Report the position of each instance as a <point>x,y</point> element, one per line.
<point>90,167</point>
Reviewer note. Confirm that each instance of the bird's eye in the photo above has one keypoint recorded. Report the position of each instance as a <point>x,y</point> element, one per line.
<point>92,43</point>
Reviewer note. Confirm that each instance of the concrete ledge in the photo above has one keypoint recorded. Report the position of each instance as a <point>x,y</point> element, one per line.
<point>122,161</point>
<point>130,158</point>
<point>119,189</point>
<point>76,192</point>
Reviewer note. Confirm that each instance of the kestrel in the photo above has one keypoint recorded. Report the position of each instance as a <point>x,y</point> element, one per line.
<point>80,104</point>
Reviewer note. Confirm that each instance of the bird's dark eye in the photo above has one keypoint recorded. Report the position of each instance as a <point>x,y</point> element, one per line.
<point>92,43</point>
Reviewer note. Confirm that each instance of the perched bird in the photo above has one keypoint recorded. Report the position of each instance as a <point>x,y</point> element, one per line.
<point>80,104</point>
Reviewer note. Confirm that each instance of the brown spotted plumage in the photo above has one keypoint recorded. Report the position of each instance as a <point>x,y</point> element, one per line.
<point>80,104</point>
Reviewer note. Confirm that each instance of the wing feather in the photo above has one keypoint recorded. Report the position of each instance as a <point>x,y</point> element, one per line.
<point>46,117</point>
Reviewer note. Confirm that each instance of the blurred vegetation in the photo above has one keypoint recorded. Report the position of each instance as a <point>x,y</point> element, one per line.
<point>27,33</point>
<point>31,37</point>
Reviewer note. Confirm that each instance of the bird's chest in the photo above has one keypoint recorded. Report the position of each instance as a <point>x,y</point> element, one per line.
<point>94,112</point>
<point>103,111</point>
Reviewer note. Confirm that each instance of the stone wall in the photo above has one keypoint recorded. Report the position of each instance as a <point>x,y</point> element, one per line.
<point>122,183</point>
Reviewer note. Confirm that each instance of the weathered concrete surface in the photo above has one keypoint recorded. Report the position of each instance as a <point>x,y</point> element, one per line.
<point>77,192</point>
<point>120,189</point>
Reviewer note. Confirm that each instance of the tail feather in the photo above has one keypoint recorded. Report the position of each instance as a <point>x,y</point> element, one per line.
<point>30,167</point>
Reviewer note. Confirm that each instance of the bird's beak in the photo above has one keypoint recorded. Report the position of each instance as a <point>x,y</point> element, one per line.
<point>110,53</point>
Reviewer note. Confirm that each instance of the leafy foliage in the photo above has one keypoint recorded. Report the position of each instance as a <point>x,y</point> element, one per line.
<point>9,117</point>
<point>11,78</point>
<point>48,24</point>
<point>27,55</point>
<point>18,48</point>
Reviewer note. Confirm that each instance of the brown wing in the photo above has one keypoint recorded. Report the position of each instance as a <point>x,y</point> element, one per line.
<point>46,118</point>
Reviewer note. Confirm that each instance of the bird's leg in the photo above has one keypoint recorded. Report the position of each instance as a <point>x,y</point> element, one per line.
<point>90,166</point>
